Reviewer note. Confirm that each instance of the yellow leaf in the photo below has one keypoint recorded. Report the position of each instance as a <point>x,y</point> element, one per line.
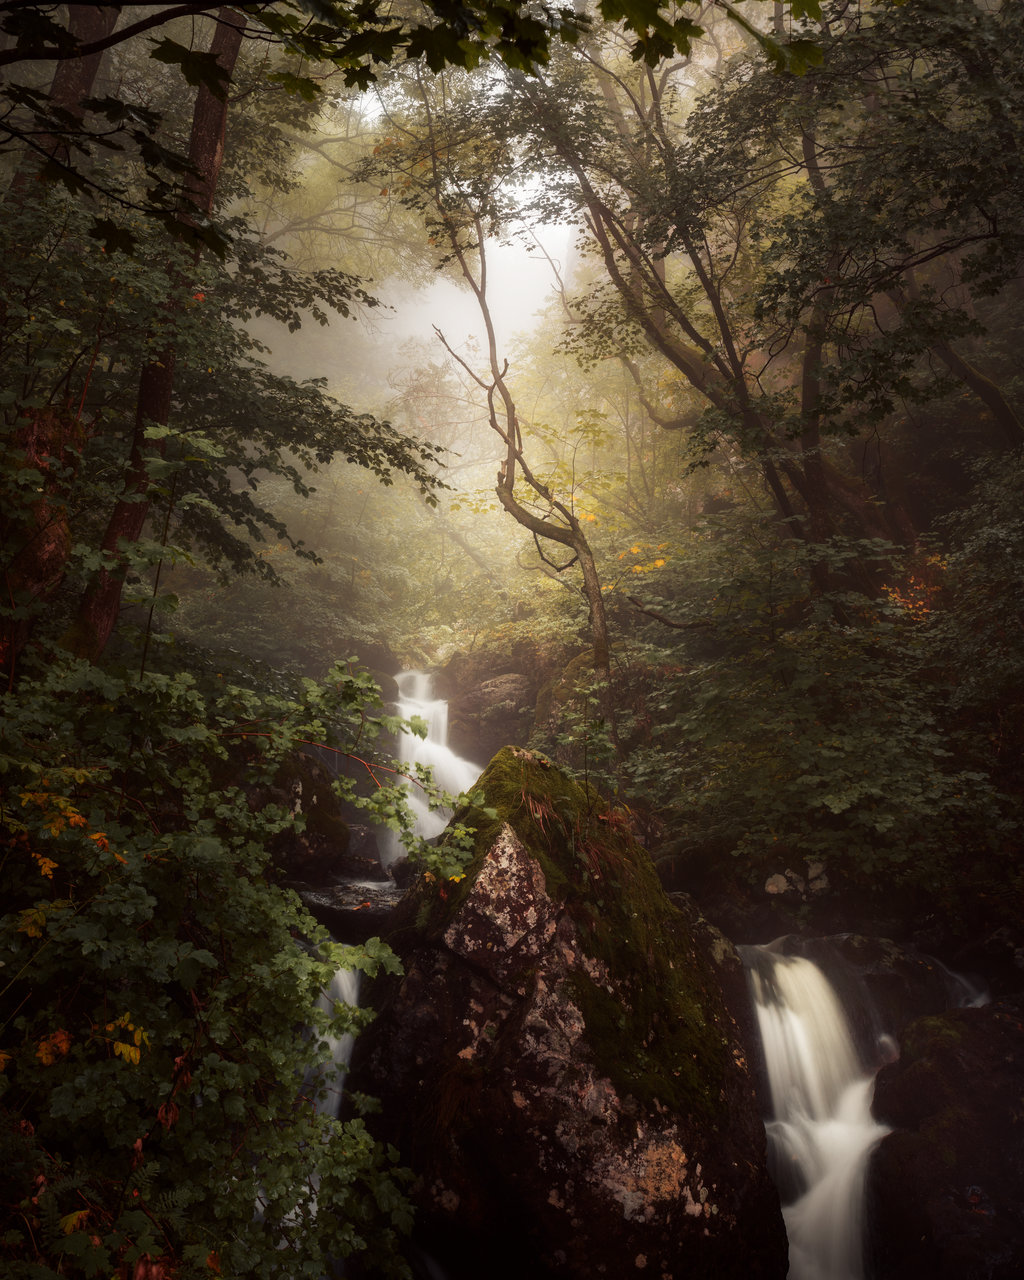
<point>70,1221</point>
<point>127,1051</point>
<point>32,921</point>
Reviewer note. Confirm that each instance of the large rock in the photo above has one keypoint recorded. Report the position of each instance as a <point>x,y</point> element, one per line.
<point>946,1188</point>
<point>558,1064</point>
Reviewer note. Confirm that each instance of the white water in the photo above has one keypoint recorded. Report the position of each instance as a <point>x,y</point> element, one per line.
<point>344,988</point>
<point>821,1131</point>
<point>451,772</point>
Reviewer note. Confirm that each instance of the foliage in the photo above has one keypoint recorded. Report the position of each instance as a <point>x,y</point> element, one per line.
<point>157,982</point>
<point>781,728</point>
<point>72,336</point>
<point>975,641</point>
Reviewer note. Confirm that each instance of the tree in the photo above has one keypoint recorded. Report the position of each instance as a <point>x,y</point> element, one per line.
<point>83,472</point>
<point>356,39</point>
<point>440,171</point>
<point>736,243</point>
<point>157,1090</point>
<point>98,607</point>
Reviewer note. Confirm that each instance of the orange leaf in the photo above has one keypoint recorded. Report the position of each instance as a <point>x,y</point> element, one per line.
<point>52,1047</point>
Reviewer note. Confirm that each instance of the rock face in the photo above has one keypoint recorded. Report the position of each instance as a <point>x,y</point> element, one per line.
<point>946,1189</point>
<point>485,716</point>
<point>558,1065</point>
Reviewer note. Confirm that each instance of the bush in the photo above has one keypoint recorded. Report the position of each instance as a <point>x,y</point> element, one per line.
<point>156,1113</point>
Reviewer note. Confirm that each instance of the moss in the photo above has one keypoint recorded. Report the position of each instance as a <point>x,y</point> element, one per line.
<point>540,803</point>
<point>657,1035</point>
<point>929,1035</point>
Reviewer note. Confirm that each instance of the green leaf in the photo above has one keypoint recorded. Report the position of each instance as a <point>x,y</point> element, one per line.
<point>301,86</point>
<point>198,67</point>
<point>115,238</point>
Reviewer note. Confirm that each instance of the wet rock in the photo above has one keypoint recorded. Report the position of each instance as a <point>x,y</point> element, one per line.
<point>558,1064</point>
<point>946,1188</point>
<point>354,910</point>
<point>483,718</point>
<point>998,957</point>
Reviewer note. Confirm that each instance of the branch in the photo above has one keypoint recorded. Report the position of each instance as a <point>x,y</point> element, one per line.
<point>54,53</point>
<point>658,616</point>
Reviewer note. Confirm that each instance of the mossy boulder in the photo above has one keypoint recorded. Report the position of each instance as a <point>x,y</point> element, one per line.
<point>558,1064</point>
<point>946,1187</point>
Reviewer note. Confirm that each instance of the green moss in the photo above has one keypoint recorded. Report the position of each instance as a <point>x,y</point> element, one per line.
<point>543,807</point>
<point>929,1035</point>
<point>658,1035</point>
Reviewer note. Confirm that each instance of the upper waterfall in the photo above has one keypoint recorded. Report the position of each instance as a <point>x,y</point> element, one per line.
<point>451,772</point>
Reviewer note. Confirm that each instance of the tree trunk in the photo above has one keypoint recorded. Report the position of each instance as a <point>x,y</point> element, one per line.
<point>986,391</point>
<point>37,540</point>
<point>100,604</point>
<point>72,83</point>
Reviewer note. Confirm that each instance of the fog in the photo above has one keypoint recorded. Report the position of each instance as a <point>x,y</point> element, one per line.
<point>520,282</point>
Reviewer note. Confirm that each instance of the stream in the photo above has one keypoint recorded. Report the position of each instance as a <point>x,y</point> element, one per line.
<point>820,1129</point>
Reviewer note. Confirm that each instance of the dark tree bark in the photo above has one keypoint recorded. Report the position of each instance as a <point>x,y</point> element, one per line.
<point>100,604</point>
<point>38,541</point>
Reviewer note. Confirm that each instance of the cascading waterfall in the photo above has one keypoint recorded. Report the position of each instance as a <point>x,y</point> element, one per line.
<point>821,1132</point>
<point>344,988</point>
<point>453,774</point>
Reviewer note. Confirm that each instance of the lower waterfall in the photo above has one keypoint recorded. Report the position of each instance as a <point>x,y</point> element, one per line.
<point>821,1131</point>
<point>330,1082</point>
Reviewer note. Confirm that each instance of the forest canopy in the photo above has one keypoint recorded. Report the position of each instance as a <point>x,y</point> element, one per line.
<point>738,515</point>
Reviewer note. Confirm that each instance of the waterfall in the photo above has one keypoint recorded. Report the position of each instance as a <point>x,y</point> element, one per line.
<point>344,988</point>
<point>453,774</point>
<point>821,1132</point>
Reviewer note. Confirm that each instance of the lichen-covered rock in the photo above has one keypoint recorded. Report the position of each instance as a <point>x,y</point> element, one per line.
<point>558,1065</point>
<point>946,1187</point>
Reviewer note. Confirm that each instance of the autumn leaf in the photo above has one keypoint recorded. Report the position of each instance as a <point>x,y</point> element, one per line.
<point>47,866</point>
<point>33,920</point>
<point>70,1222</point>
<point>53,1046</point>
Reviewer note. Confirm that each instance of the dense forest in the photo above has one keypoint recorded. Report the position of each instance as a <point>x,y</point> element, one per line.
<point>739,506</point>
